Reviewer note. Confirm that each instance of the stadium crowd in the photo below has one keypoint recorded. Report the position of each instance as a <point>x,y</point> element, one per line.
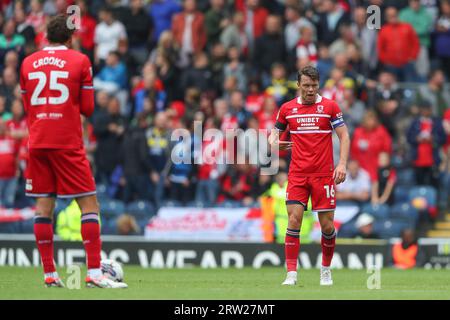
<point>161,65</point>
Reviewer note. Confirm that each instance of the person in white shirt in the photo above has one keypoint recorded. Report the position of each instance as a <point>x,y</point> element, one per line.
<point>356,186</point>
<point>109,33</point>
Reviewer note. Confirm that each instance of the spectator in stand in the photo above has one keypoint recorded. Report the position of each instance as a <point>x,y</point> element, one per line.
<point>139,27</point>
<point>353,109</point>
<point>422,22</point>
<point>267,116</point>
<point>89,140</point>
<point>364,224</point>
<point>162,12</point>
<point>368,40</point>
<point>109,129</point>
<point>8,167</point>
<point>11,60</point>
<point>167,74</point>
<point>237,104</point>
<point>255,98</point>
<point>216,20</point>
<point>8,85</point>
<point>384,185</point>
<point>234,67</point>
<point>387,88</point>
<point>109,33</point>
<point>237,184</point>
<point>101,105</point>
<point>436,92</point>
<point>330,20</point>
<point>158,141</point>
<point>269,47</point>
<point>23,28</point>
<point>127,225</point>
<point>135,162</point>
<point>85,35</point>
<point>199,75</point>
<point>369,140</point>
<point>306,47</point>
<point>280,87</point>
<point>234,34</point>
<point>189,32</point>
<point>113,76</point>
<point>17,126</point>
<point>295,22</point>
<point>217,62</point>
<point>442,37</point>
<point>356,186</point>
<point>208,169</point>
<point>10,40</point>
<point>324,64</point>
<point>179,176</point>
<point>167,47</point>
<point>4,114</point>
<point>346,40</point>
<point>36,17</point>
<point>398,53</point>
<point>336,85</point>
<point>426,136</point>
<point>255,21</point>
<point>152,88</point>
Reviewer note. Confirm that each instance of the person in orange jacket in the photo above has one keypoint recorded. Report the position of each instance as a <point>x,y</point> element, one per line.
<point>406,254</point>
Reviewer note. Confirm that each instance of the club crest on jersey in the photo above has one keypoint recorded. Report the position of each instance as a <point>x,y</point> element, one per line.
<point>320,108</point>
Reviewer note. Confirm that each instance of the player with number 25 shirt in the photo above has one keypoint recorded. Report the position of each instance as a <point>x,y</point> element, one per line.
<point>56,85</point>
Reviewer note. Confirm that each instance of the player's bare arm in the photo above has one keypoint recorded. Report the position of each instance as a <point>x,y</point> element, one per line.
<point>340,171</point>
<point>274,140</point>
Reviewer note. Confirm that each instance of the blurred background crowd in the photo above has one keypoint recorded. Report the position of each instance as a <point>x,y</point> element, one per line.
<point>160,65</point>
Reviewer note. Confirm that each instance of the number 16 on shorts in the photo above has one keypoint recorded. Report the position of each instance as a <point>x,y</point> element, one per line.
<point>330,194</point>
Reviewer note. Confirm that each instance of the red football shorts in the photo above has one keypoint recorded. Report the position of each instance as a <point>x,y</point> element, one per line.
<point>321,190</point>
<point>64,173</point>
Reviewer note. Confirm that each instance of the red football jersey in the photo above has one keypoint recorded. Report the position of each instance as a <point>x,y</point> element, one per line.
<point>310,127</point>
<point>56,86</point>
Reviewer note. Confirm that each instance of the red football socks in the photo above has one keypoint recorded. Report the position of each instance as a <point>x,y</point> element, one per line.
<point>328,243</point>
<point>43,232</point>
<point>291,248</point>
<point>90,232</point>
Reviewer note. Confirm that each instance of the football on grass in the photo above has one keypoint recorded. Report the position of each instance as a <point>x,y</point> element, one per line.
<point>112,269</point>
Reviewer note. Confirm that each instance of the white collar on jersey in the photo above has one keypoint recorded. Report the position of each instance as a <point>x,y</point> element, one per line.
<point>318,99</point>
<point>55,48</point>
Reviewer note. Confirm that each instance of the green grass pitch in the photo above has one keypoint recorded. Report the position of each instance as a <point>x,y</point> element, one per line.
<point>234,284</point>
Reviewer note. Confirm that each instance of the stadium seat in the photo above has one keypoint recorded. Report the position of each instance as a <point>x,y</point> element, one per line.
<point>401,194</point>
<point>196,204</point>
<point>405,177</point>
<point>390,228</point>
<point>10,227</point>
<point>424,199</point>
<point>102,191</point>
<point>406,212</point>
<point>229,204</point>
<point>141,209</point>
<point>379,212</point>
<point>171,203</point>
<point>109,226</point>
<point>111,208</point>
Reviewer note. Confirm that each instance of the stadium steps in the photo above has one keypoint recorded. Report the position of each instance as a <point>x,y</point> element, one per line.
<point>439,233</point>
<point>441,229</point>
<point>442,225</point>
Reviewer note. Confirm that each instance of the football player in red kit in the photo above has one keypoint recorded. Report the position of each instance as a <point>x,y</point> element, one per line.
<point>56,86</point>
<point>311,120</point>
